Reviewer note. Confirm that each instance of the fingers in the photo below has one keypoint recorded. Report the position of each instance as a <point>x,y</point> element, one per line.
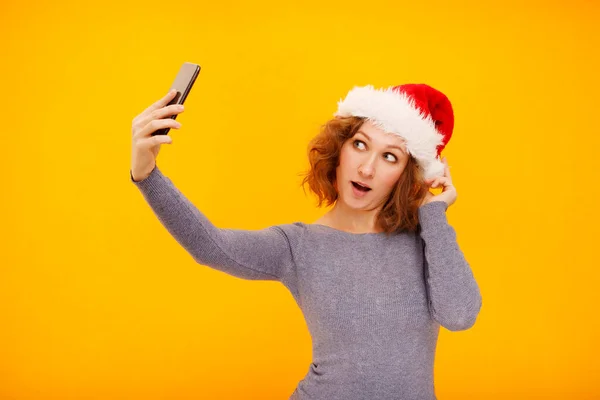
<point>155,111</point>
<point>432,181</point>
<point>440,180</point>
<point>446,172</point>
<point>161,102</point>
<point>157,124</point>
<point>159,139</point>
<point>153,141</point>
<point>157,117</point>
<point>160,113</point>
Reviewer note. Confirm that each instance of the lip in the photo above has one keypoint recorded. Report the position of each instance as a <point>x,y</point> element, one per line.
<point>362,184</point>
<point>358,193</point>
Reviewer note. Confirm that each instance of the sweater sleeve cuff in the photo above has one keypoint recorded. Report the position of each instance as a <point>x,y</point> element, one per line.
<point>432,214</point>
<point>150,182</point>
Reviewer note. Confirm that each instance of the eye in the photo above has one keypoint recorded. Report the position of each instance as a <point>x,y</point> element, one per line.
<point>393,160</point>
<point>358,141</point>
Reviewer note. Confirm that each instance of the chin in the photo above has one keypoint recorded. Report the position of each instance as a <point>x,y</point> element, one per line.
<point>356,204</point>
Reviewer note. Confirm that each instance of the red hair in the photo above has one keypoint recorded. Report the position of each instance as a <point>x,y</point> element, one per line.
<point>400,210</point>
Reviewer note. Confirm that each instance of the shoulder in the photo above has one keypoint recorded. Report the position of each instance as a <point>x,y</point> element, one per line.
<point>300,232</point>
<point>293,230</point>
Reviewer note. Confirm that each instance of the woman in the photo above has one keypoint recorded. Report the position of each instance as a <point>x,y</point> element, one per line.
<point>379,273</point>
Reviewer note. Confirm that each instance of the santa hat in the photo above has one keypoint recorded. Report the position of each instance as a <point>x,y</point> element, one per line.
<point>418,113</point>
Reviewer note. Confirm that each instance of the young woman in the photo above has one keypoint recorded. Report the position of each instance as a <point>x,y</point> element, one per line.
<point>378,274</point>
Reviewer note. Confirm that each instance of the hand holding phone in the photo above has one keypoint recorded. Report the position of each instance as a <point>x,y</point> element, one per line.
<point>183,85</point>
<point>150,127</point>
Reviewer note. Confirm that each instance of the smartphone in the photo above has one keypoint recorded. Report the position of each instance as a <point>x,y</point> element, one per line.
<point>183,84</point>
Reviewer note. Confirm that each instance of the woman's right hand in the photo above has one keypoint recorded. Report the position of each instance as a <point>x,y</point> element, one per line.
<point>144,146</point>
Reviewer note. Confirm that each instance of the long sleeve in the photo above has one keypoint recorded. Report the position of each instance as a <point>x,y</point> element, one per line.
<point>248,254</point>
<point>453,293</point>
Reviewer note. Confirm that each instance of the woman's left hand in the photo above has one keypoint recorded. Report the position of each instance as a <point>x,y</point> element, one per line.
<point>448,194</point>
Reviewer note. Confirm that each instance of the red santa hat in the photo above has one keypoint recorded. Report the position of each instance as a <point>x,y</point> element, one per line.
<point>418,113</point>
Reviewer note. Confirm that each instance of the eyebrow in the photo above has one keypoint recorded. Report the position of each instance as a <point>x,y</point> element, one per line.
<point>389,146</point>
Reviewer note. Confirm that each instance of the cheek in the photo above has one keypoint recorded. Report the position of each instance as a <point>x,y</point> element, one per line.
<point>391,179</point>
<point>345,161</point>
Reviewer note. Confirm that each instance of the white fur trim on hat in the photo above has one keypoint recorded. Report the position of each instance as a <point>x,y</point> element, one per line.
<point>395,112</point>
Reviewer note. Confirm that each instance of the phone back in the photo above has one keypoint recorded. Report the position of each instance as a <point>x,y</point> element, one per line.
<point>183,84</point>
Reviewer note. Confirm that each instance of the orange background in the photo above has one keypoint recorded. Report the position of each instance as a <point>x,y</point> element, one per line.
<point>97,301</point>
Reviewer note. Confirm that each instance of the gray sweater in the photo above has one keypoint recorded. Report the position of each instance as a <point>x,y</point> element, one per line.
<point>373,304</point>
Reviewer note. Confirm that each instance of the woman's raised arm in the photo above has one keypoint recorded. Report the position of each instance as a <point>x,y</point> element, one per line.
<point>249,254</point>
<point>262,254</point>
<point>454,295</point>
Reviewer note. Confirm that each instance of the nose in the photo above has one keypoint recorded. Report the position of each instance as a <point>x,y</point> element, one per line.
<point>367,169</point>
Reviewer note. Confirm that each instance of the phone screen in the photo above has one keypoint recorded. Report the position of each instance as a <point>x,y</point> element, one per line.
<point>183,84</point>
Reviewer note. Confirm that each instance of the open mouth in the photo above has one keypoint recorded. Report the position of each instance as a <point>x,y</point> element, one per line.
<point>360,187</point>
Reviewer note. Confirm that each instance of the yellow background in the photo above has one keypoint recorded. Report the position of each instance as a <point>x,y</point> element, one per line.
<point>97,301</point>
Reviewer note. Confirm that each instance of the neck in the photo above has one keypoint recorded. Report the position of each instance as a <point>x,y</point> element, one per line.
<point>357,221</point>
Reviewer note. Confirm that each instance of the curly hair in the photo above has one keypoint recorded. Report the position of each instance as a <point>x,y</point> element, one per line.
<point>400,210</point>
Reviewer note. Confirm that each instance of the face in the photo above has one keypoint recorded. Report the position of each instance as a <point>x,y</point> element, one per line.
<point>374,158</point>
